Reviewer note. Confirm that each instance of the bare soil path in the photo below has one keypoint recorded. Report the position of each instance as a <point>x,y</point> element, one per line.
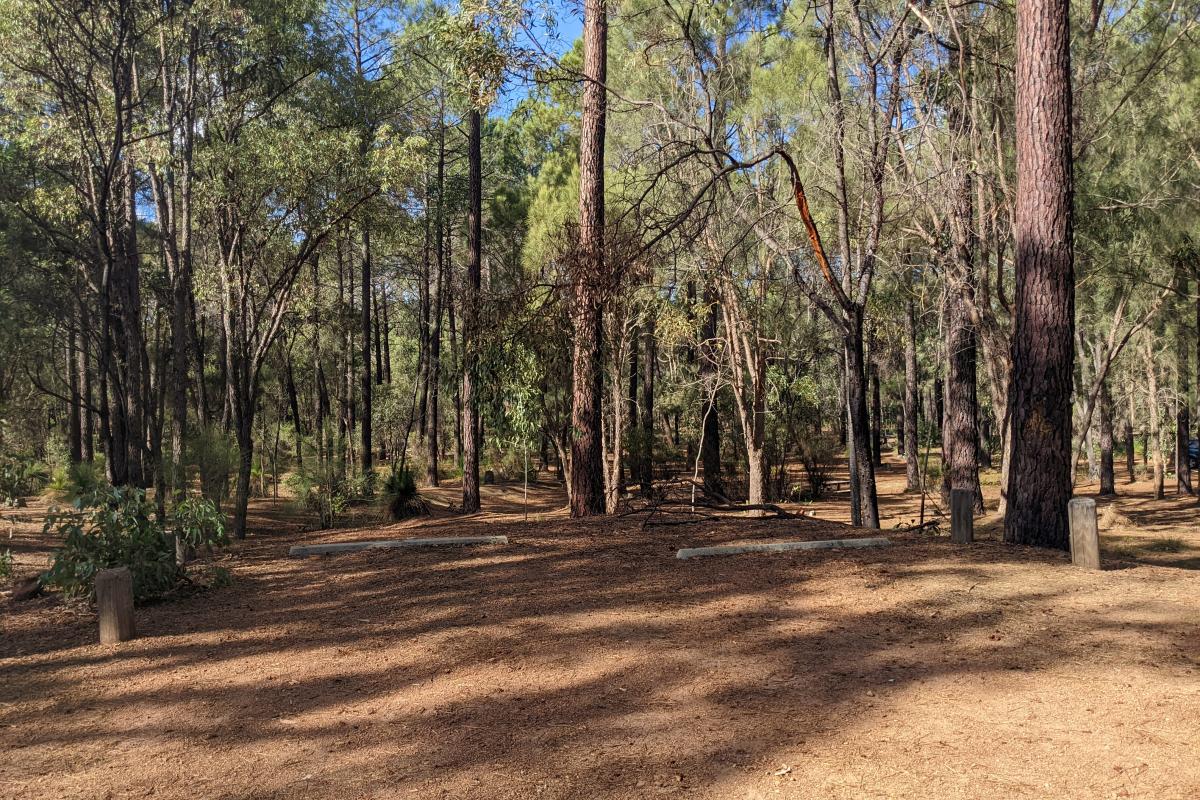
<point>584,661</point>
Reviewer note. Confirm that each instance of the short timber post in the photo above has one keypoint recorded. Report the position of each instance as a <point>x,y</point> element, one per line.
<point>1085,535</point>
<point>114,602</point>
<point>962,516</point>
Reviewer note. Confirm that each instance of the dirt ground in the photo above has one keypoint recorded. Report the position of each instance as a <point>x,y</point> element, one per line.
<point>584,661</point>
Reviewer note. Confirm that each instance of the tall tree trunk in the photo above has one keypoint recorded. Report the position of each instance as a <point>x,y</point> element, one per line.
<point>860,444</point>
<point>587,470</point>
<point>294,407</point>
<point>911,445</point>
<point>960,428</point>
<point>1183,420</point>
<point>75,404</point>
<point>650,357</point>
<point>1155,439</point>
<point>1107,474</point>
<point>433,385</point>
<point>1040,481</point>
<point>471,329</point>
<point>83,364</point>
<point>133,363</point>
<point>366,453</point>
<point>377,325</point>
<point>1130,464</point>
<point>321,393</point>
<point>710,443</point>
<point>631,401</point>
<point>876,416</point>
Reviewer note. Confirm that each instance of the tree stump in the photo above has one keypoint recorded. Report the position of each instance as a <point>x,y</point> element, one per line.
<point>1085,534</point>
<point>962,516</point>
<point>114,603</point>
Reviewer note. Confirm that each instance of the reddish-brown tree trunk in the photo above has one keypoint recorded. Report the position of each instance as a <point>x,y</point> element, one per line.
<point>1044,301</point>
<point>587,458</point>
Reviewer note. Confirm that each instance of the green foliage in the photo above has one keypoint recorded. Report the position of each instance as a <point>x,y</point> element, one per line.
<point>817,454</point>
<point>119,527</point>
<point>78,481</point>
<point>216,456</point>
<point>114,528</point>
<point>319,493</point>
<point>199,523</point>
<point>21,477</point>
<point>403,499</point>
<point>6,564</point>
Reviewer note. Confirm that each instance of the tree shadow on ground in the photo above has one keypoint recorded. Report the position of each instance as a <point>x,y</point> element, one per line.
<point>583,659</point>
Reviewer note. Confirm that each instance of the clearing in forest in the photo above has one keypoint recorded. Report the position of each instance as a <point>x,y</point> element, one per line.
<point>584,660</point>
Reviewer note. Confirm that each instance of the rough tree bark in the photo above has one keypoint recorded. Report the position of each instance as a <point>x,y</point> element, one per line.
<point>1044,302</point>
<point>470,402</point>
<point>365,379</point>
<point>1130,464</point>
<point>876,415</point>
<point>1154,441</point>
<point>1107,474</point>
<point>911,464</point>
<point>587,467</point>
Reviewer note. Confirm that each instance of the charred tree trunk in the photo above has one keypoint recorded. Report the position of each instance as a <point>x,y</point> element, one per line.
<point>75,404</point>
<point>587,468</point>
<point>631,403</point>
<point>433,385</point>
<point>876,417</point>
<point>865,512</point>
<point>960,427</point>
<point>366,455</point>
<point>1107,473</point>
<point>84,366</point>
<point>1040,481</point>
<point>471,330</point>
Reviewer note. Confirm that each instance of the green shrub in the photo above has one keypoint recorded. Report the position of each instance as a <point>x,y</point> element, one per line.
<point>199,523</point>
<point>114,528</point>
<point>6,564</point>
<point>319,494</point>
<point>118,527</point>
<point>403,499</point>
<point>216,456</point>
<point>360,486</point>
<point>21,477</point>
<point>817,455</point>
<point>78,481</point>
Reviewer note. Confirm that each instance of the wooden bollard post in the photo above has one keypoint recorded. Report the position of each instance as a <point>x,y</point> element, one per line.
<point>1085,534</point>
<point>114,602</point>
<point>962,516</point>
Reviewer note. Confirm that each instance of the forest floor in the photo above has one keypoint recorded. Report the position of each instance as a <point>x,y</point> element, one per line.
<point>584,661</point>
